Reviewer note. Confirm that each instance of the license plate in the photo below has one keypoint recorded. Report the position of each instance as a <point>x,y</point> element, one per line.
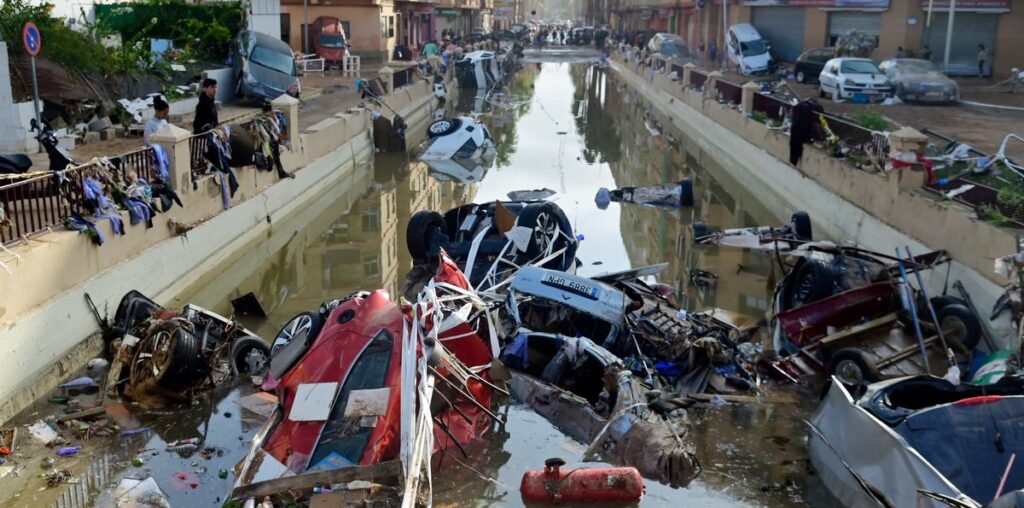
<point>570,286</point>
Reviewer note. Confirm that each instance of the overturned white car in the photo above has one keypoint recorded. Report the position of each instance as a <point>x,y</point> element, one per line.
<point>458,138</point>
<point>478,69</point>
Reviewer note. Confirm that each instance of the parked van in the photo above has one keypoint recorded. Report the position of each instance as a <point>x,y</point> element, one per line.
<point>747,49</point>
<point>329,39</point>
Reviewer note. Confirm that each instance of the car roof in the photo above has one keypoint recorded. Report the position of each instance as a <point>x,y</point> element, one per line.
<point>601,300</point>
<point>266,41</point>
<point>745,31</point>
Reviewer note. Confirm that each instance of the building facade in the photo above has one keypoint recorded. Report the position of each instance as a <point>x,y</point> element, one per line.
<point>794,26</point>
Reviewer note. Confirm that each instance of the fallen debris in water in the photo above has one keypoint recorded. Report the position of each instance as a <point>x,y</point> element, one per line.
<point>670,195</point>
<point>580,485</point>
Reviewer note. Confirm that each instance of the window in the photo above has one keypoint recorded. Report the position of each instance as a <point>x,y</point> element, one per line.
<point>371,219</point>
<point>371,265</point>
<point>860,67</point>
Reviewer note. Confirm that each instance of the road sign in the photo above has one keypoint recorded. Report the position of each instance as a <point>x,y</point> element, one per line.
<point>31,38</point>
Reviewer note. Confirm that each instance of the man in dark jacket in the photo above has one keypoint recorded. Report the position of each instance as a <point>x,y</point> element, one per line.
<point>206,110</point>
<point>806,127</point>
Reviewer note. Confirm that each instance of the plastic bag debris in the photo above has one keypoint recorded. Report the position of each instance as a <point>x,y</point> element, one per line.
<point>42,432</point>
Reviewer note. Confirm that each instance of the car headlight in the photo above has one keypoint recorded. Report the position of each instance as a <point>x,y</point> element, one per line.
<point>849,82</point>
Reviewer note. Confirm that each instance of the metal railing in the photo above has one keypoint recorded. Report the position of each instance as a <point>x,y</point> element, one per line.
<point>875,144</point>
<point>404,77</point>
<point>731,92</point>
<point>197,153</point>
<point>36,204</point>
<point>142,162</point>
<point>697,79</point>
<point>772,107</point>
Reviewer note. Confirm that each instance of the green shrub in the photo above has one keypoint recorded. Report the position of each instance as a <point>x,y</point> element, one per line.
<point>872,119</point>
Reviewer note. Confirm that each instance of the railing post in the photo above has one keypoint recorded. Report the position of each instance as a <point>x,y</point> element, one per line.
<point>387,75</point>
<point>290,107</point>
<point>687,74</point>
<point>747,98</point>
<point>174,141</point>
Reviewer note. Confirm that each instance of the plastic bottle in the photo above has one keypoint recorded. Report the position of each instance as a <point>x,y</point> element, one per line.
<point>182,448</point>
<point>70,450</point>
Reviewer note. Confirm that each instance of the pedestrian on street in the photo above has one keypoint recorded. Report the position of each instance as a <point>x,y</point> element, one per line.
<point>805,127</point>
<point>982,57</point>
<point>926,52</point>
<point>206,110</point>
<point>899,51</point>
<point>159,119</point>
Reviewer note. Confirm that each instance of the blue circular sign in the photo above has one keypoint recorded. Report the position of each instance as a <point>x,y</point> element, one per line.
<point>31,38</point>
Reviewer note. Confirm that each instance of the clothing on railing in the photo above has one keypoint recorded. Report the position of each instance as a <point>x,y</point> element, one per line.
<point>161,162</point>
<point>85,227</point>
<point>218,152</point>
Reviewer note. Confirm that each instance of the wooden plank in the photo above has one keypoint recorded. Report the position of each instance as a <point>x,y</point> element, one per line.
<point>306,481</point>
<point>855,331</point>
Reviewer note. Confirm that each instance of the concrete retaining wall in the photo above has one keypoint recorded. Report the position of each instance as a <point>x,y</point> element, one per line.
<point>45,325</point>
<point>845,203</point>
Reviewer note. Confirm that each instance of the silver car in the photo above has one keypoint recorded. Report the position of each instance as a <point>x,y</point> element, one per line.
<point>264,67</point>
<point>920,80</point>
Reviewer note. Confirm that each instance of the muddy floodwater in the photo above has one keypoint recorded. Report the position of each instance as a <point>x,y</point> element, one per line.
<point>563,125</point>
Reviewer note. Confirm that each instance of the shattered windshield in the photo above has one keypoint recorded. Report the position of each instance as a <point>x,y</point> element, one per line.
<point>859,67</point>
<point>332,41</point>
<point>753,48</point>
<point>273,60</point>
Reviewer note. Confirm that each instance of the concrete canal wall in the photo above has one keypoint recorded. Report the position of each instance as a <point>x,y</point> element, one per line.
<point>881,211</point>
<point>46,329</point>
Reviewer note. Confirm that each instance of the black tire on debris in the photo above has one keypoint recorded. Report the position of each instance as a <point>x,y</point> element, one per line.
<point>422,225</point>
<point>549,225</point>
<point>686,192</point>
<point>812,281</point>
<point>959,325</point>
<point>801,222</point>
<point>304,326</point>
<point>443,127</point>
<point>941,301</point>
<point>853,367</point>
<point>249,356</point>
<point>170,357</point>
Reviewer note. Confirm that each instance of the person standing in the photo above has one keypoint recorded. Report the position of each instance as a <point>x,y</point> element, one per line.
<point>158,120</point>
<point>805,127</point>
<point>982,58</point>
<point>206,110</point>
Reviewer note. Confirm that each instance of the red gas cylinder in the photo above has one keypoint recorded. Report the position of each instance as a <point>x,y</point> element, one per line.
<point>553,485</point>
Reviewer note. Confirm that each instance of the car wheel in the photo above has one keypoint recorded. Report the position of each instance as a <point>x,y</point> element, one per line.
<point>443,127</point>
<point>170,358</point>
<point>550,231</point>
<point>812,281</point>
<point>941,301</point>
<point>304,325</point>
<point>423,225</point>
<point>801,223</point>
<point>801,77</point>
<point>959,326</point>
<point>853,367</point>
<point>686,192</point>
<point>249,356</point>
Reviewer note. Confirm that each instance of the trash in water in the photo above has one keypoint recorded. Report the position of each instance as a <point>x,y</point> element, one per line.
<point>146,493</point>
<point>784,237</point>
<point>69,450</point>
<point>185,479</point>
<point>531,195</point>
<point>581,485</point>
<point>248,305</point>
<point>670,195</point>
<point>43,432</point>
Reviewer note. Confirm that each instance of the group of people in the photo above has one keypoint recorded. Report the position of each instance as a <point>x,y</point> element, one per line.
<point>206,112</point>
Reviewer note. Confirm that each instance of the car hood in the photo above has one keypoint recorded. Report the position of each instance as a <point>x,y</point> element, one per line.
<point>926,77</point>
<point>269,78</point>
<point>866,78</point>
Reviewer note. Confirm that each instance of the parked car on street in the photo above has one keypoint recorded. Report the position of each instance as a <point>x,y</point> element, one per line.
<point>853,78</point>
<point>747,49</point>
<point>809,65</point>
<point>916,79</point>
<point>264,67</point>
<point>668,45</point>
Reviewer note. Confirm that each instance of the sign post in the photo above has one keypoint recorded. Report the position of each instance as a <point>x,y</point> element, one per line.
<point>33,42</point>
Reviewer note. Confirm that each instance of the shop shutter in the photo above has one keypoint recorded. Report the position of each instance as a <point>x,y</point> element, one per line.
<point>969,30</point>
<point>783,28</point>
<point>840,22</point>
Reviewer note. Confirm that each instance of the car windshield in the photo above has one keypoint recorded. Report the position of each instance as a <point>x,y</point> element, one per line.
<point>916,66</point>
<point>332,41</point>
<point>753,48</point>
<point>859,67</point>
<point>273,60</point>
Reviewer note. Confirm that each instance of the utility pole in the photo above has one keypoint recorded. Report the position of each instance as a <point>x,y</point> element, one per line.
<point>949,34</point>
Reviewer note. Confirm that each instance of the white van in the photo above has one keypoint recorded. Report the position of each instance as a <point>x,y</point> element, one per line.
<point>747,49</point>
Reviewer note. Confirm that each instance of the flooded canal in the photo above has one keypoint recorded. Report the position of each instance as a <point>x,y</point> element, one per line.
<point>568,127</point>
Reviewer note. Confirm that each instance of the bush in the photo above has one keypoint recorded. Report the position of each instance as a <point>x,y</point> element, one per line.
<point>872,119</point>
<point>73,50</point>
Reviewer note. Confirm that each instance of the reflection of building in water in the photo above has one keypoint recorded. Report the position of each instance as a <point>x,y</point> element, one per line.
<point>650,151</point>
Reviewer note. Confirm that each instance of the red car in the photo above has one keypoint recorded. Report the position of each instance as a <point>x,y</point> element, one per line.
<point>352,351</point>
<point>329,39</point>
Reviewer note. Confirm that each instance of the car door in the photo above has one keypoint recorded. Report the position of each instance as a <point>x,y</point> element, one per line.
<point>816,62</point>
<point>830,76</point>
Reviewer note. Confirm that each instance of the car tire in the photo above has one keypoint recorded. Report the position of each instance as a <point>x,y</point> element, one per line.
<point>941,301</point>
<point>171,357</point>
<point>801,223</point>
<point>812,281</point>
<point>959,325</point>
<point>686,192</point>
<point>543,219</point>
<point>443,127</point>
<point>249,356</point>
<point>801,77</point>
<point>422,225</point>
<point>308,323</point>
<point>853,367</point>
